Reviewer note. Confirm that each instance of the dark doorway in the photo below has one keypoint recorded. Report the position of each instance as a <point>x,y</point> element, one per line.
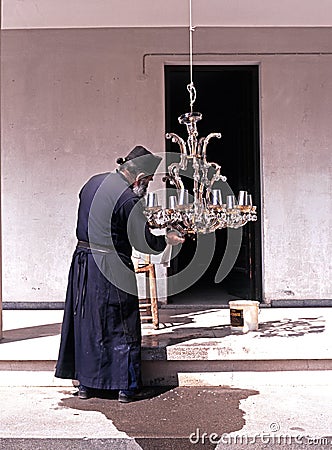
<point>227,97</point>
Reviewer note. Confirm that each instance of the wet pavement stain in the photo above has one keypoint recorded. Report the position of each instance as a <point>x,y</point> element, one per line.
<point>174,418</point>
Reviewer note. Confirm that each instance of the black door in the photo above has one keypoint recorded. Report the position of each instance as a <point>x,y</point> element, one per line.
<point>227,97</point>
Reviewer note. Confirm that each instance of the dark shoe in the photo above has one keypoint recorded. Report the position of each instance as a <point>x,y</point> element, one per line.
<point>83,392</point>
<point>126,398</point>
<point>134,397</point>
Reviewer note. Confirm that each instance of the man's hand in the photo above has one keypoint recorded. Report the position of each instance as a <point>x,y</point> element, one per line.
<point>173,237</point>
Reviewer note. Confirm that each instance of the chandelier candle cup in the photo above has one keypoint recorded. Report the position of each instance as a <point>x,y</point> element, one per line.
<point>172,202</point>
<point>243,198</point>
<point>230,201</point>
<point>152,200</point>
<point>216,197</point>
<point>244,315</point>
<point>183,197</point>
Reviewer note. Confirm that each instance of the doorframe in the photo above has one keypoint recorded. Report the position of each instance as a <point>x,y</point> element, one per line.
<point>257,290</point>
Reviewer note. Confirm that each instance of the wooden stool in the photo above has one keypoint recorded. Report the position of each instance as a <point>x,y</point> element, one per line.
<point>149,305</point>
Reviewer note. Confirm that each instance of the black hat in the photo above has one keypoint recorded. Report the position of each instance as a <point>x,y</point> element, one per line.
<point>144,159</point>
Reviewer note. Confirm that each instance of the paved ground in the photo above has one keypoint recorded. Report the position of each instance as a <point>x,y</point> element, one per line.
<point>175,418</point>
<point>263,409</point>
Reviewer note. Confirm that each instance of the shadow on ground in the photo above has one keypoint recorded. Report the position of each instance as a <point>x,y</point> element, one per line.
<point>22,334</point>
<point>174,418</point>
<point>276,328</point>
<point>185,334</point>
<point>289,327</point>
<point>180,332</point>
<point>176,329</point>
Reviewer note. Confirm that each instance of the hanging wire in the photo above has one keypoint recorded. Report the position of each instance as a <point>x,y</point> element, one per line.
<point>190,87</point>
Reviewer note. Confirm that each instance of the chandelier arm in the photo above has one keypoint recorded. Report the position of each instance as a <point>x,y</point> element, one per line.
<point>206,141</point>
<point>178,140</point>
<point>217,176</point>
<point>173,170</point>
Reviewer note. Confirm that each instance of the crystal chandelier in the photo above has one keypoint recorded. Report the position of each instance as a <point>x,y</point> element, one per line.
<point>203,211</point>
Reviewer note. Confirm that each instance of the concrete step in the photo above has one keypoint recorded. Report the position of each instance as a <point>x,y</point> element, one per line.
<point>194,346</point>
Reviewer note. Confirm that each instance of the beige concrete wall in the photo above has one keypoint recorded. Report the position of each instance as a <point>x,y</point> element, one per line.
<point>158,13</point>
<point>74,100</point>
<point>297,169</point>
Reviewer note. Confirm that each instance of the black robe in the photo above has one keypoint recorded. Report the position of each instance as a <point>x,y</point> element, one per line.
<point>101,334</point>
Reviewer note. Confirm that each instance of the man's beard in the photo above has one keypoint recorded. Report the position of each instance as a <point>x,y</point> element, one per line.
<point>140,189</point>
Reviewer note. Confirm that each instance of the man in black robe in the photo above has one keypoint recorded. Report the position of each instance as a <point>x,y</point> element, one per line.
<point>101,333</point>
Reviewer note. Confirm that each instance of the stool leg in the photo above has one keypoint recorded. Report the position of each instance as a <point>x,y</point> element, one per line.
<point>148,292</point>
<point>153,297</point>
